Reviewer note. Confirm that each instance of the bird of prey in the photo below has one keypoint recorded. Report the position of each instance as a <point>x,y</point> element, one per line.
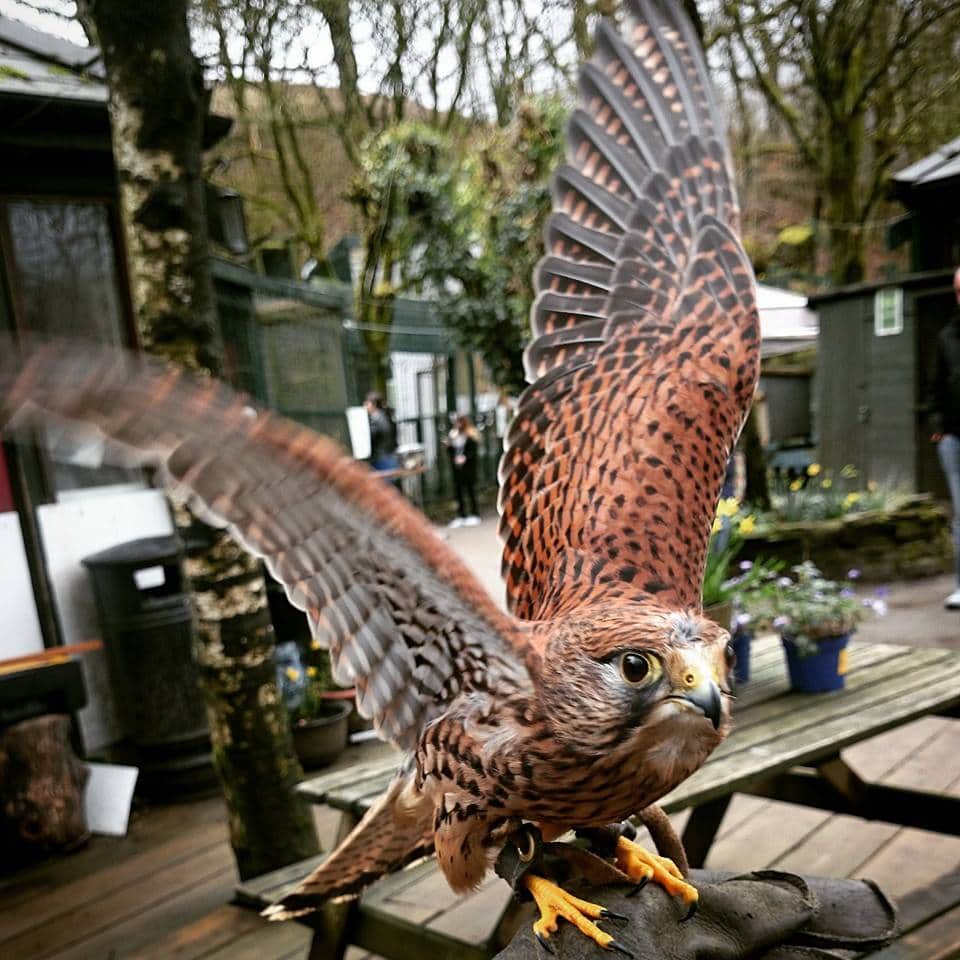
<point>604,686</point>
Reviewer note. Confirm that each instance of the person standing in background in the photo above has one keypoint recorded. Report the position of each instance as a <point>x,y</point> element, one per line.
<point>383,434</point>
<point>462,445</point>
<point>946,408</point>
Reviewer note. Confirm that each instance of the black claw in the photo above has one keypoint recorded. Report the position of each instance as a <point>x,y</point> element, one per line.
<point>619,947</point>
<point>605,914</point>
<point>545,943</point>
<point>638,887</point>
<point>692,912</point>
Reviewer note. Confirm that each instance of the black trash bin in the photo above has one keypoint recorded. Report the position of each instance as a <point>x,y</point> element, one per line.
<point>148,636</point>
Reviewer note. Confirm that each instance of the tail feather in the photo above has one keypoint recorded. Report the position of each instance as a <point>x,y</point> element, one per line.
<point>396,830</point>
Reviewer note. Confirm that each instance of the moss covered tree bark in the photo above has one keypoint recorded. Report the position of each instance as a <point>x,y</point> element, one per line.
<point>158,107</point>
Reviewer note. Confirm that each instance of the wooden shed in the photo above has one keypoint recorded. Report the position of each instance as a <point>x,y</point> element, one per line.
<point>876,354</point>
<point>874,371</point>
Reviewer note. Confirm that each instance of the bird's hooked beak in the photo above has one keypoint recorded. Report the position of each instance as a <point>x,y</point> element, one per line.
<point>696,687</point>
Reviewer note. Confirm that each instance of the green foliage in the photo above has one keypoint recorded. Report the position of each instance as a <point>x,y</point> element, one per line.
<point>818,495</point>
<point>732,524</point>
<point>319,679</point>
<point>461,222</point>
<point>805,607</point>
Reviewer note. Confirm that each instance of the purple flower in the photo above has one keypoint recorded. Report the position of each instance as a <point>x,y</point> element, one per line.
<point>746,565</point>
<point>781,622</point>
<point>847,592</point>
<point>879,607</point>
<point>853,574</point>
<point>740,621</point>
<point>882,591</point>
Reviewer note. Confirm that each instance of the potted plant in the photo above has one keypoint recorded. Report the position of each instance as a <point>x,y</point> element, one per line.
<point>318,722</point>
<point>815,617</point>
<point>722,586</point>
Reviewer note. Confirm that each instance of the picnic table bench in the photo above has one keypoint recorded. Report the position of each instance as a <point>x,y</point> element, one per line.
<point>784,746</point>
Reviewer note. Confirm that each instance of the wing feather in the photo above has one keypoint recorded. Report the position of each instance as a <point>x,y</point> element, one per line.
<point>646,345</point>
<point>392,603</point>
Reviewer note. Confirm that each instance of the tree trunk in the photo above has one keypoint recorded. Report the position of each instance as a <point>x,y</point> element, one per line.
<point>758,486</point>
<point>158,106</point>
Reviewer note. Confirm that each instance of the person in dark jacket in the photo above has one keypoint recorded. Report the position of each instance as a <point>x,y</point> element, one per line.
<point>462,445</point>
<point>383,434</point>
<point>946,402</point>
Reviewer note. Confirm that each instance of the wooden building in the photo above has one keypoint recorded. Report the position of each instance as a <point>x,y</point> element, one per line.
<point>876,356</point>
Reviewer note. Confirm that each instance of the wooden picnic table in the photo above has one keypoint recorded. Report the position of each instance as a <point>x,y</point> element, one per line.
<point>775,732</point>
<point>784,746</point>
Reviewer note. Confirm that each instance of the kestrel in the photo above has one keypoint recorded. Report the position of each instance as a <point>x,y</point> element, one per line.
<point>604,687</point>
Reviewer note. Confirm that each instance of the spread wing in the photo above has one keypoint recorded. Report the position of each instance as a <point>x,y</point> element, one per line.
<point>403,618</point>
<point>646,340</point>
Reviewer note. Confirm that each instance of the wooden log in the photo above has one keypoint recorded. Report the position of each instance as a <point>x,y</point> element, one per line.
<point>41,788</point>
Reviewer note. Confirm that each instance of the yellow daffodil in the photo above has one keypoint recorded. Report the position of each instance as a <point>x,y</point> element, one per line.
<point>813,469</point>
<point>315,644</point>
<point>311,672</point>
<point>850,499</point>
<point>293,674</point>
<point>728,507</point>
<point>826,483</point>
<point>796,485</point>
<point>747,526</point>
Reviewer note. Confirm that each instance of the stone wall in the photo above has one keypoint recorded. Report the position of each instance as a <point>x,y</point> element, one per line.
<point>912,540</point>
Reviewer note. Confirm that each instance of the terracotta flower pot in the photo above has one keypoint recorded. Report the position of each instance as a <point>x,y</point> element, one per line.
<point>321,740</point>
<point>821,671</point>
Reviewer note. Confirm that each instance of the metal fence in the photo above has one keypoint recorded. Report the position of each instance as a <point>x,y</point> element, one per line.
<point>293,347</point>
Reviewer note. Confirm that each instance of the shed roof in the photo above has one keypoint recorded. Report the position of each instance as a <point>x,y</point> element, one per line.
<point>937,168</point>
<point>62,76</point>
<point>786,323</point>
<point>37,64</point>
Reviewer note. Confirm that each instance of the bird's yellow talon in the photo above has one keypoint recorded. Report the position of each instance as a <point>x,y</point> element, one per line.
<point>554,902</point>
<point>641,865</point>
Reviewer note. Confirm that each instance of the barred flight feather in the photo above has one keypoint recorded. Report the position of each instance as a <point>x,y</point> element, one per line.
<point>645,215</point>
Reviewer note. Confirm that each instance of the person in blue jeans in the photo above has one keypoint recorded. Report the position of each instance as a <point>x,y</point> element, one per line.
<point>946,402</point>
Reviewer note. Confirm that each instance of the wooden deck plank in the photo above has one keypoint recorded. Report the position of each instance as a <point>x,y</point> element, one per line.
<point>83,921</point>
<point>873,758</point>
<point>149,828</point>
<point>166,910</point>
<point>908,865</point>
<point>120,875</point>
<point>220,927</point>
<point>837,848</point>
<point>937,940</point>
<point>774,830</point>
<point>272,941</point>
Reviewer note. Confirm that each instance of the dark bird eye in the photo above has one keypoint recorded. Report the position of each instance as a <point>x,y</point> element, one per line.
<point>636,667</point>
<point>730,656</point>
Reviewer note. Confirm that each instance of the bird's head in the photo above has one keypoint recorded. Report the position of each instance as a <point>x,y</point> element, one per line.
<point>618,673</point>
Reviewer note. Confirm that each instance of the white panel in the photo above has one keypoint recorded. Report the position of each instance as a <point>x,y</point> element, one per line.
<point>21,627</point>
<point>71,531</point>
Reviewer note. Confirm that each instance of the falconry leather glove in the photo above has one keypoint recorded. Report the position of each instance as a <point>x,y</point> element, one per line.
<point>767,915</point>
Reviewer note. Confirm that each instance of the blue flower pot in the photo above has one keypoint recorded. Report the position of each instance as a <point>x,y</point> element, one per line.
<point>740,641</point>
<point>819,672</point>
